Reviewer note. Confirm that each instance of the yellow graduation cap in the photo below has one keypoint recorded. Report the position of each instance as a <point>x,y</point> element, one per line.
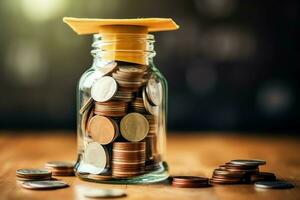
<point>114,29</point>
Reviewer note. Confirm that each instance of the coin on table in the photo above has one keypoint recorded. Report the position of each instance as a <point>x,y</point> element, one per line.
<point>60,168</point>
<point>251,162</point>
<point>134,127</point>
<point>104,89</point>
<point>102,129</point>
<point>32,173</point>
<point>60,164</point>
<point>95,158</point>
<point>154,92</point>
<point>262,176</point>
<point>273,185</point>
<point>39,185</point>
<point>104,193</point>
<point>190,182</point>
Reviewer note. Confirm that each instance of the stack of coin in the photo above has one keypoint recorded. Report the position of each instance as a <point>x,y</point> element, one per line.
<point>125,96</point>
<point>111,108</point>
<point>60,168</point>
<point>153,124</point>
<point>224,176</point>
<point>240,171</point>
<point>262,176</point>
<point>138,105</point>
<point>130,78</point>
<point>33,174</point>
<point>190,182</point>
<point>128,159</point>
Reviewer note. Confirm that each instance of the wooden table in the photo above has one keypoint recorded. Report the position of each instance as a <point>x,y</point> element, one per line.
<point>188,154</point>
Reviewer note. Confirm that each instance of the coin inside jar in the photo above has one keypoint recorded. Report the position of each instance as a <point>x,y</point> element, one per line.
<point>104,89</point>
<point>95,159</point>
<point>102,129</point>
<point>151,109</point>
<point>154,92</point>
<point>134,127</point>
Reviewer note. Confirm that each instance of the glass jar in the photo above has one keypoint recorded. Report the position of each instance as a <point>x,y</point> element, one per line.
<point>121,112</point>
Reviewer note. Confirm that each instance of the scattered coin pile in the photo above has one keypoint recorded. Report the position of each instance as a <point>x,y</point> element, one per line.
<point>42,185</point>
<point>190,182</point>
<point>33,174</point>
<point>121,117</point>
<point>42,178</point>
<point>241,171</point>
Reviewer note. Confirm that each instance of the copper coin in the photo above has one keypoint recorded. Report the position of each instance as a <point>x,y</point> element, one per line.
<point>102,129</point>
<point>223,181</point>
<point>262,176</point>
<point>60,164</point>
<point>228,173</point>
<point>189,185</point>
<point>190,179</point>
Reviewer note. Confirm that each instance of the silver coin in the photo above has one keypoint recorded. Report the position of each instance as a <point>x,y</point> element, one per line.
<point>33,172</point>
<point>273,184</point>
<point>104,89</point>
<point>95,159</point>
<point>253,162</point>
<point>151,109</point>
<point>104,193</point>
<point>154,92</point>
<point>106,69</point>
<point>44,184</point>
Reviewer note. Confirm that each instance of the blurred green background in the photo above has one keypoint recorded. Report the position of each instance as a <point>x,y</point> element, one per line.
<point>232,66</point>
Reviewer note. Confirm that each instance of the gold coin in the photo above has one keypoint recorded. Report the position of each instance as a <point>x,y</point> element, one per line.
<point>134,127</point>
<point>102,129</point>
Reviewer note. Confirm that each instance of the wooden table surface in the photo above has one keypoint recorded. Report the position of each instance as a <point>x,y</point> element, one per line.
<point>188,154</point>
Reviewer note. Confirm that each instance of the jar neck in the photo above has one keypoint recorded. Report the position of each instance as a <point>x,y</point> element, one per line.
<point>137,48</point>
